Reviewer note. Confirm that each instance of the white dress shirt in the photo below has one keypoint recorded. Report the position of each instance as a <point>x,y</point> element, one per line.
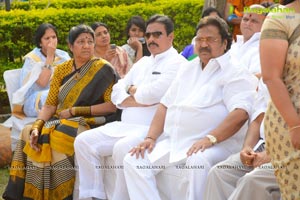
<point>152,76</point>
<point>260,104</point>
<point>199,100</point>
<point>246,53</point>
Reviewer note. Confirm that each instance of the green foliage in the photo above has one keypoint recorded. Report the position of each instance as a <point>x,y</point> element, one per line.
<point>4,174</point>
<point>6,66</point>
<point>58,4</point>
<point>17,26</point>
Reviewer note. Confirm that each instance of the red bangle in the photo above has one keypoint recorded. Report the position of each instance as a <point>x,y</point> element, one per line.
<point>70,111</point>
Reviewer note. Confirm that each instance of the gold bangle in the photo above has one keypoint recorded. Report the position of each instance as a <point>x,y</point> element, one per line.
<point>294,127</point>
<point>82,111</point>
<point>38,124</point>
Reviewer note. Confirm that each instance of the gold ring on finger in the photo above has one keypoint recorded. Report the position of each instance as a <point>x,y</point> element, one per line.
<point>142,148</point>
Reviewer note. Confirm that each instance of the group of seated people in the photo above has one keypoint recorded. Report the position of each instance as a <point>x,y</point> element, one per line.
<point>40,62</point>
<point>147,107</point>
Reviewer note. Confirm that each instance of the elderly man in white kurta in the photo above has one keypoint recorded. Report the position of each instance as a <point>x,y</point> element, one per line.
<point>138,95</point>
<point>245,51</point>
<point>202,116</point>
<point>249,173</point>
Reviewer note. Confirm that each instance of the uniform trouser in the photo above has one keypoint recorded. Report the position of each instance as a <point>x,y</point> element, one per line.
<point>140,173</point>
<point>231,180</point>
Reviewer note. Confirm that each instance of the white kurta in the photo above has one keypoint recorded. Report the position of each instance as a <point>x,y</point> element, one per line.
<point>233,182</point>
<point>30,94</point>
<point>260,104</point>
<point>152,76</point>
<point>199,100</point>
<point>130,51</point>
<point>246,53</point>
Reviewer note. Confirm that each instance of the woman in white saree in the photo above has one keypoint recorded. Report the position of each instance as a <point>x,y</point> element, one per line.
<point>37,71</point>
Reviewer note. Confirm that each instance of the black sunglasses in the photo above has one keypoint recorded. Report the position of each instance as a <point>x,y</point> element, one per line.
<point>155,34</point>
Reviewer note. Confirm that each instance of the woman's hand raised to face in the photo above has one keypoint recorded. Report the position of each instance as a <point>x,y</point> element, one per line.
<point>135,43</point>
<point>51,47</point>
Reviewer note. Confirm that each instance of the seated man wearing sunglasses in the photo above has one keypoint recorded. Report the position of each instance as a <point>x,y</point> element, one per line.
<point>200,121</point>
<point>138,95</point>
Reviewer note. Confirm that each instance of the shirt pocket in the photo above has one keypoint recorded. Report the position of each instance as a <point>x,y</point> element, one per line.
<point>155,75</point>
<point>207,96</point>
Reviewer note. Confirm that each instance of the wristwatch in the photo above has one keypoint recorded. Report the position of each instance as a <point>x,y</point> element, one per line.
<point>212,139</point>
<point>48,66</point>
<point>128,88</point>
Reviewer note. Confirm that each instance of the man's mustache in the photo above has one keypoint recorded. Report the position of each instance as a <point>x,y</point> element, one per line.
<point>202,50</point>
<point>152,43</point>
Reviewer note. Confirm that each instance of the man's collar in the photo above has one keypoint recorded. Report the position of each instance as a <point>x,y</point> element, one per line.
<point>221,61</point>
<point>163,54</point>
<point>254,37</point>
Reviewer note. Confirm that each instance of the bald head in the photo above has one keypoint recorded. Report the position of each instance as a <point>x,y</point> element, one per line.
<point>252,20</point>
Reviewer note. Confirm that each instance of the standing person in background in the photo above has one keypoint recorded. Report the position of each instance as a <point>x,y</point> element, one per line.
<point>218,4</point>
<point>110,52</point>
<point>136,46</point>
<point>79,98</point>
<point>245,51</point>
<point>234,12</point>
<point>37,71</point>
<point>279,50</point>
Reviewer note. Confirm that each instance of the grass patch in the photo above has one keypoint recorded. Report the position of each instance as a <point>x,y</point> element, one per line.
<point>4,174</point>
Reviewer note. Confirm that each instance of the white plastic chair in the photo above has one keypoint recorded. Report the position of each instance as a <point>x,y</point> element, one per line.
<point>11,78</point>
